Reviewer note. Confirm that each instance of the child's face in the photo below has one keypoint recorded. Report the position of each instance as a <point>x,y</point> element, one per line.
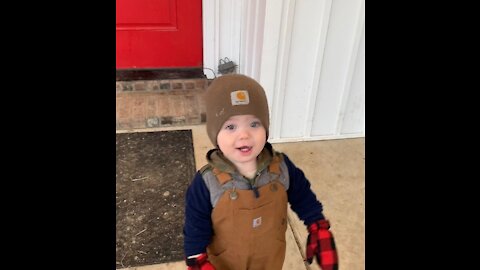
<point>241,139</point>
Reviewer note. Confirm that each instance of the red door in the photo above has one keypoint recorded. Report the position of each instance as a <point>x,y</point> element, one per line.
<point>159,34</point>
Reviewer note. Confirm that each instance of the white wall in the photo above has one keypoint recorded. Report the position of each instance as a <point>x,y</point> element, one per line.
<point>308,54</point>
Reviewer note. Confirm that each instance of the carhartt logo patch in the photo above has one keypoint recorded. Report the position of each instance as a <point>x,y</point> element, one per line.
<point>239,97</point>
<point>257,222</point>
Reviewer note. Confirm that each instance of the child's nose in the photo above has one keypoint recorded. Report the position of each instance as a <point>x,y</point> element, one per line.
<point>244,134</point>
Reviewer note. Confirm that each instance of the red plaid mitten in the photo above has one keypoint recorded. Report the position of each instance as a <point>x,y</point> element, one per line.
<point>199,263</point>
<point>321,244</point>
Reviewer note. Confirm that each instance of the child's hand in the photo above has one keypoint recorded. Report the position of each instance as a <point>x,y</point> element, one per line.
<point>199,263</point>
<point>321,244</point>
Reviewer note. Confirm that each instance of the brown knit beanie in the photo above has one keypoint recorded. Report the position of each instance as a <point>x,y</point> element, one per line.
<point>234,94</point>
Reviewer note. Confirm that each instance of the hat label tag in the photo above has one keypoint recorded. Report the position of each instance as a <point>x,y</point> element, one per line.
<point>257,222</point>
<point>239,97</point>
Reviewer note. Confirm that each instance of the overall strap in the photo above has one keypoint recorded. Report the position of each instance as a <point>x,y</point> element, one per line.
<point>222,177</point>
<point>274,166</point>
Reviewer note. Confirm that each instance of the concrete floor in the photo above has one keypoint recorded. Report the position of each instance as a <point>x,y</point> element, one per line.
<point>336,170</point>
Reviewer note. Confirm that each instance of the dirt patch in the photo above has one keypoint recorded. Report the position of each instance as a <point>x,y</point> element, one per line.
<point>152,174</point>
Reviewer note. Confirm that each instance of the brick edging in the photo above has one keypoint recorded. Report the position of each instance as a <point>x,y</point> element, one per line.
<point>160,103</point>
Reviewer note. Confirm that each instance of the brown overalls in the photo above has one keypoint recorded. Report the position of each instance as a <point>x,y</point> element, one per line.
<point>249,231</point>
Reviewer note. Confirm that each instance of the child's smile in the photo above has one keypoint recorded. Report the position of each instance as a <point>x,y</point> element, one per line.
<point>245,149</point>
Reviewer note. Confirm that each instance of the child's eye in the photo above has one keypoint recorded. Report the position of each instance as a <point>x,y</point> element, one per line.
<point>256,124</point>
<point>230,127</point>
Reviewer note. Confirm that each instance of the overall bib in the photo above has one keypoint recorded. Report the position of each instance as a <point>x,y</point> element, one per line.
<point>249,225</point>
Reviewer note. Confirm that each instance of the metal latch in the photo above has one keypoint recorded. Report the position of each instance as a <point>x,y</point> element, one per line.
<point>226,66</point>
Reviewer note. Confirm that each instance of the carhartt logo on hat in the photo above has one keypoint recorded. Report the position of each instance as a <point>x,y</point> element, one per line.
<point>239,97</point>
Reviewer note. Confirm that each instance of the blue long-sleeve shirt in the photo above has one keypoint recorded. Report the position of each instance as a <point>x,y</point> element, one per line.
<point>198,209</point>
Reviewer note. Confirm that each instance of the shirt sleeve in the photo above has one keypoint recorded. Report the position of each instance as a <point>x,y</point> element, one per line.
<point>197,229</point>
<point>301,197</point>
